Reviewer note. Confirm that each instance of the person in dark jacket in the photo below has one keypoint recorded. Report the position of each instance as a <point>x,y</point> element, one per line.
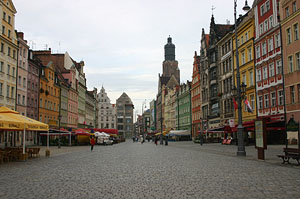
<point>201,139</point>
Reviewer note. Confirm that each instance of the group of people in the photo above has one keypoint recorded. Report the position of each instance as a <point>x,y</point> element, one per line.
<point>155,139</point>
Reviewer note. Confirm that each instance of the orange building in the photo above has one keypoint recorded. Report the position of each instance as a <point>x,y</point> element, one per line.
<point>49,96</point>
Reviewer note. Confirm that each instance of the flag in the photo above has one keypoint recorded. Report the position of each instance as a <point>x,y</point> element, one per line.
<point>235,104</point>
<point>249,109</point>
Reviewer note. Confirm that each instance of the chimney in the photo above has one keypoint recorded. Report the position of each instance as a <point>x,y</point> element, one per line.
<point>20,35</point>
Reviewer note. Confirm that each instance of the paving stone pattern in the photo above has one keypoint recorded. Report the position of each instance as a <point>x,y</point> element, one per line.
<point>135,170</point>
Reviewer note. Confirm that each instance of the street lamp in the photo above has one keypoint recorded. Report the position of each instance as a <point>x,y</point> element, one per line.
<point>241,146</point>
<point>59,118</point>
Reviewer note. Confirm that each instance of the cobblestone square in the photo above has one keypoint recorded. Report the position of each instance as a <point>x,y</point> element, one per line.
<point>135,170</point>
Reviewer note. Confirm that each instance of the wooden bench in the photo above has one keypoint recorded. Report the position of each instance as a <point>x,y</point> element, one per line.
<point>290,153</point>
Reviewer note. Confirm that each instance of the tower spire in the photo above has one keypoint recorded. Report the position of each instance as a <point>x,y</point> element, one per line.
<point>170,50</point>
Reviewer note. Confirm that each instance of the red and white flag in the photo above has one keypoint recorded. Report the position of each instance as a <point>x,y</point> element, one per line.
<point>249,109</point>
<point>234,104</point>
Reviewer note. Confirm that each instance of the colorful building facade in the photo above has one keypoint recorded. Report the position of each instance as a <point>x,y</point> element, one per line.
<point>183,108</point>
<point>196,97</point>
<point>23,84</point>
<point>245,36</point>
<point>8,55</point>
<point>290,21</point>
<point>33,91</point>
<point>269,72</point>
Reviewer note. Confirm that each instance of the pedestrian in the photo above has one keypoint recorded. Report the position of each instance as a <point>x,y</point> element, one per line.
<point>201,139</point>
<point>166,140</point>
<point>92,142</point>
<point>133,138</point>
<point>142,140</point>
<point>156,141</point>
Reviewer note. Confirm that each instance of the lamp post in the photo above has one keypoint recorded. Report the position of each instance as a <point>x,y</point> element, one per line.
<point>59,118</point>
<point>240,129</point>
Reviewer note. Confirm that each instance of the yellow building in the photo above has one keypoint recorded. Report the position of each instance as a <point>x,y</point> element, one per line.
<point>8,55</point>
<point>245,35</point>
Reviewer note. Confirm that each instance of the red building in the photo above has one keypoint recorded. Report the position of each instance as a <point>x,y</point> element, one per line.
<point>196,98</point>
<point>269,70</point>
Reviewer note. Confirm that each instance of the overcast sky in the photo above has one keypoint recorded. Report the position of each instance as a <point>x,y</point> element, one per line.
<point>122,41</point>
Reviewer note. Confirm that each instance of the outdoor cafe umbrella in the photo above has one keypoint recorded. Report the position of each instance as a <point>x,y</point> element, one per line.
<point>12,120</point>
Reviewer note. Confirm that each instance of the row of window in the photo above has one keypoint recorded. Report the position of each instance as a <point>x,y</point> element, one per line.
<point>227,85</point>
<point>226,65</point>
<point>266,25</point>
<point>269,70</point>
<point>11,71</point>
<point>226,47</point>
<point>73,108</point>
<point>8,51</point>
<point>196,103</point>
<point>108,118</point>
<point>49,105</point>
<point>196,116</point>
<point>106,125</point>
<point>228,106</point>
<point>270,100</point>
<point>245,59</point>
<point>30,102</point>
<point>264,8</point>
<point>24,52</point>
<point>293,93</point>
<point>47,118</point>
<point>292,36</point>
<point>10,91</point>
<point>261,48</point>
<point>184,120</point>
<point>294,66</point>
<point>72,120</point>
<point>8,20</point>
<point>50,89</point>
<point>287,9</point>
<point>4,32</point>
<point>241,40</point>
<point>184,110</point>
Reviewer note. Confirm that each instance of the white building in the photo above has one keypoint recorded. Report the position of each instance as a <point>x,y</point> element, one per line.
<point>106,111</point>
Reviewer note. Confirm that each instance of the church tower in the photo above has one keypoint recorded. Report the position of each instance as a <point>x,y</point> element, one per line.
<point>170,65</point>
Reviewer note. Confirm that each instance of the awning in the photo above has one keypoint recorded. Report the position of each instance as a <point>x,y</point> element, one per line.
<point>209,131</point>
<point>179,133</point>
<point>12,120</point>
<point>108,131</point>
<point>55,134</point>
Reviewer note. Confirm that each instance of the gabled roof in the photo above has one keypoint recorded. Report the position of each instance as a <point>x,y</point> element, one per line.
<point>9,4</point>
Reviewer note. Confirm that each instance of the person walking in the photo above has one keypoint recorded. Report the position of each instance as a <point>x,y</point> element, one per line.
<point>156,141</point>
<point>92,142</point>
<point>166,140</point>
<point>201,139</point>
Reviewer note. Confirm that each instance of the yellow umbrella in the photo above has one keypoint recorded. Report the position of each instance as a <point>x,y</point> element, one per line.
<point>12,120</point>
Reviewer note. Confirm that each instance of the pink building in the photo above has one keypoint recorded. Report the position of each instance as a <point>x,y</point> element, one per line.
<point>290,21</point>
<point>33,88</point>
<point>22,81</point>
<point>70,75</point>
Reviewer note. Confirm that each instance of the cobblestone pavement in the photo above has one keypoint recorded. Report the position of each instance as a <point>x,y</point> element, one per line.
<point>133,170</point>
